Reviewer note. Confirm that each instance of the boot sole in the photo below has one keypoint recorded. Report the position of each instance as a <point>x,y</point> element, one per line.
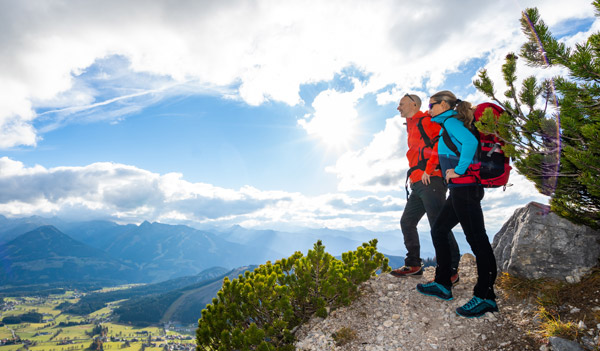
<point>478,316</point>
<point>439,297</point>
<point>407,275</point>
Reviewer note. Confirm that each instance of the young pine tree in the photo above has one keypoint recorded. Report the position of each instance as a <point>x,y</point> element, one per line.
<point>262,309</point>
<point>552,127</point>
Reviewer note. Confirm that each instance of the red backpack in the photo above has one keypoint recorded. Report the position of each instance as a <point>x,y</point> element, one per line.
<point>493,168</point>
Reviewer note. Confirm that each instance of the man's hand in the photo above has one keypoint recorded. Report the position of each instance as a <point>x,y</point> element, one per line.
<point>450,174</point>
<point>425,179</point>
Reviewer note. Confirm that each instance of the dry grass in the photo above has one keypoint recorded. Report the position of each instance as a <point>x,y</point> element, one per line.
<point>553,326</point>
<point>529,288</point>
<point>560,306</point>
<point>344,336</point>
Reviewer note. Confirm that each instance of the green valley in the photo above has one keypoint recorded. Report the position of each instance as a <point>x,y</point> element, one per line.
<point>60,331</point>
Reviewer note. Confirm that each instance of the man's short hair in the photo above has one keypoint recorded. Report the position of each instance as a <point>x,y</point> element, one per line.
<point>414,98</point>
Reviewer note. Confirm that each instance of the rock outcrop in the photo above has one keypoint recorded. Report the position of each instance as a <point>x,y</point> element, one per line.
<point>390,315</point>
<point>536,243</point>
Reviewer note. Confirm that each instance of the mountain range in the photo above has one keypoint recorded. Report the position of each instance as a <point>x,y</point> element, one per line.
<point>37,250</point>
<point>183,267</point>
<point>46,255</point>
<point>107,252</point>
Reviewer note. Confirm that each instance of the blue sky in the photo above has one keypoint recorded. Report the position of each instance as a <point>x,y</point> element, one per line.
<point>266,114</point>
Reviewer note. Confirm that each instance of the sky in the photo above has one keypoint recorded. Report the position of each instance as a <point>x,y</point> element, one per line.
<point>266,113</point>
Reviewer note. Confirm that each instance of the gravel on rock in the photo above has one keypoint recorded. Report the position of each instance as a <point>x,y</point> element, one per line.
<point>391,315</point>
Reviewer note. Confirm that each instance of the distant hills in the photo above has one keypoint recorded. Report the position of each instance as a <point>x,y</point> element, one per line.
<point>37,250</point>
<point>12,228</point>
<point>183,304</point>
<point>184,266</point>
<point>148,303</point>
<point>336,241</point>
<point>164,251</point>
<point>114,254</point>
<point>47,255</point>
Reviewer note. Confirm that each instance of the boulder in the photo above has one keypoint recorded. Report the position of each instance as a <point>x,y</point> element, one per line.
<point>536,243</point>
<point>559,344</point>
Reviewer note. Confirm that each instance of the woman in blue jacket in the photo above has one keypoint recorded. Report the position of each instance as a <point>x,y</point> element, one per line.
<point>462,206</point>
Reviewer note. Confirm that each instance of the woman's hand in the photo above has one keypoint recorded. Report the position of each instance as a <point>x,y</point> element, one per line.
<point>450,174</point>
<point>425,179</point>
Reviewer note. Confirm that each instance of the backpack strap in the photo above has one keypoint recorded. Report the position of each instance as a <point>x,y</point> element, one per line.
<point>428,142</point>
<point>422,164</point>
<point>450,144</point>
<point>472,171</point>
<point>448,140</point>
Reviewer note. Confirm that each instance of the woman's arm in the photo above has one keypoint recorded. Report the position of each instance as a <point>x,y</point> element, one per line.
<point>467,143</point>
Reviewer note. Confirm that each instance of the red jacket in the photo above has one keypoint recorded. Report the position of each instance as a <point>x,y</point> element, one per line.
<point>417,150</point>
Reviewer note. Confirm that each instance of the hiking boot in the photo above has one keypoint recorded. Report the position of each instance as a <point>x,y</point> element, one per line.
<point>435,289</point>
<point>407,270</point>
<point>477,307</point>
<point>454,279</point>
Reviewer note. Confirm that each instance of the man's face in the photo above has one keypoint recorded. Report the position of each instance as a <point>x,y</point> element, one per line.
<point>407,107</point>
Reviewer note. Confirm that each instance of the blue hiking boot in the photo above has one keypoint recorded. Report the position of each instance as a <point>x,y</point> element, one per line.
<point>435,289</point>
<point>477,307</point>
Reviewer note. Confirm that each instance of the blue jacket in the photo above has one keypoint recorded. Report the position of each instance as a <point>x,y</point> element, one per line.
<point>462,137</point>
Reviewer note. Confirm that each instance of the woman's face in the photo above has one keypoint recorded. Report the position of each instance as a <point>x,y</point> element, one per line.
<point>437,107</point>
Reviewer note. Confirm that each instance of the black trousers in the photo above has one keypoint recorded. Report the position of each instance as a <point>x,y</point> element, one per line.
<point>464,206</point>
<point>424,199</point>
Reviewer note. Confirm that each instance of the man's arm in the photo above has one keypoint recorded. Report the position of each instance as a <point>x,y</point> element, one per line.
<point>431,165</point>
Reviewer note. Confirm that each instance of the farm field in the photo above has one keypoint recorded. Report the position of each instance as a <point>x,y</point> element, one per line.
<point>51,335</point>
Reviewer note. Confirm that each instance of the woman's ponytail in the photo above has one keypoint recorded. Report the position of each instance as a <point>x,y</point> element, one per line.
<point>463,108</point>
<point>465,112</point>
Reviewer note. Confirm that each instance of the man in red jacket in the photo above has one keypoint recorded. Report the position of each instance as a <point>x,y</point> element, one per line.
<point>428,190</point>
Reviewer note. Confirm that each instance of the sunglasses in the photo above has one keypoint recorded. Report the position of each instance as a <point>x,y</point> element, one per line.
<point>410,97</point>
<point>434,103</point>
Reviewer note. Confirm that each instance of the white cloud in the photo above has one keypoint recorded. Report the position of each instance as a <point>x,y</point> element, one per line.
<point>268,47</point>
<point>66,55</point>
<point>335,118</point>
<point>130,195</point>
<point>499,204</point>
<point>381,166</point>
<point>120,191</point>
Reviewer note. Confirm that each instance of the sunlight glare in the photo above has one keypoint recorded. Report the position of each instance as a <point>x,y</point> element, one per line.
<point>334,121</point>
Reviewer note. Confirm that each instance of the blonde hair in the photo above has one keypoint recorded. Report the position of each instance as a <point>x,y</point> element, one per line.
<point>463,108</point>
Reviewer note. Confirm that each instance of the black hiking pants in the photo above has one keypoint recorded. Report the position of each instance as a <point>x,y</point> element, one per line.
<point>424,199</point>
<point>464,206</point>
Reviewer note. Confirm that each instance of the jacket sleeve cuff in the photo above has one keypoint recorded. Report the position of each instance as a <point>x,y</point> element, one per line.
<point>459,171</point>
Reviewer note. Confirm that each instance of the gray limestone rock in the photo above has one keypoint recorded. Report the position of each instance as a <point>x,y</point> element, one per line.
<point>559,344</point>
<point>536,243</point>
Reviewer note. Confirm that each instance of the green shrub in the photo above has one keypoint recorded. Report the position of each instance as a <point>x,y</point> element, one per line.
<point>263,309</point>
